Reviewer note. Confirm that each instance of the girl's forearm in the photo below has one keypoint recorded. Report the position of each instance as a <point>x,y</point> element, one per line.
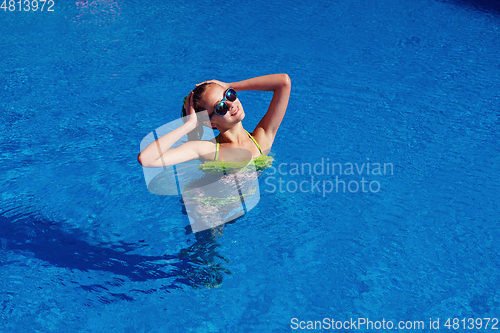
<point>265,83</point>
<point>157,148</point>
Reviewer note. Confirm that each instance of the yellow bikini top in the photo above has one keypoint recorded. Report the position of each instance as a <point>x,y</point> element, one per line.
<point>262,162</point>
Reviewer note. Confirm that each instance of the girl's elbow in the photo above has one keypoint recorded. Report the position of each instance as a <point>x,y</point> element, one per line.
<point>286,81</point>
<point>139,159</point>
<point>144,162</point>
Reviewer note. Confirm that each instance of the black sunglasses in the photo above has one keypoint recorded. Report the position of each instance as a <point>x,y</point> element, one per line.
<point>221,108</point>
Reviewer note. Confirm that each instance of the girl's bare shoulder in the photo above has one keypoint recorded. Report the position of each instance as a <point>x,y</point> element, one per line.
<point>206,149</point>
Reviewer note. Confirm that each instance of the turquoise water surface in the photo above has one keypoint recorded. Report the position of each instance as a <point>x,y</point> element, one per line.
<point>409,85</point>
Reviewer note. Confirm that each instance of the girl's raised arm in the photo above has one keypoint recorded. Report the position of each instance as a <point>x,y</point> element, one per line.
<point>158,153</point>
<point>280,84</point>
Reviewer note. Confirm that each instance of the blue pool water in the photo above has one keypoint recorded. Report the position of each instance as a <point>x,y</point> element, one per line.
<point>410,84</point>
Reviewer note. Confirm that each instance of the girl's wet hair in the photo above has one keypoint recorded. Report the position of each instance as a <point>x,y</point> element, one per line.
<point>197,133</point>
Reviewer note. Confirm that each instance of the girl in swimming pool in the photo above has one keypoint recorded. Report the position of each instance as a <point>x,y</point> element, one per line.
<point>227,190</point>
<point>225,113</point>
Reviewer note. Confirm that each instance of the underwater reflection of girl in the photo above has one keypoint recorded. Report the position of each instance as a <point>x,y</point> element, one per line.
<point>234,161</point>
<point>200,265</point>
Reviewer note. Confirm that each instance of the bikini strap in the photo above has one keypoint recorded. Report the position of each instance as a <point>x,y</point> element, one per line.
<point>217,150</point>
<point>254,141</point>
<point>218,145</point>
<point>217,156</point>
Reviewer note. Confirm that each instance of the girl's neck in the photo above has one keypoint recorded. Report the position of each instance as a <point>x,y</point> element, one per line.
<point>235,134</point>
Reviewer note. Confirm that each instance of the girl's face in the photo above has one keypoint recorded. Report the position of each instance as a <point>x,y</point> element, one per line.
<point>235,113</point>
